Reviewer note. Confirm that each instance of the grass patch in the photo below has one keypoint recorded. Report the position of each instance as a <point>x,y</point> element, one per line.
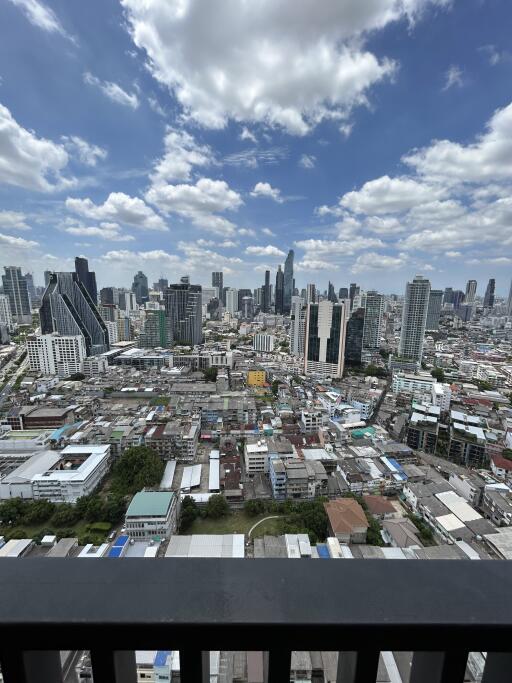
<point>235,523</point>
<point>31,531</point>
<point>160,401</point>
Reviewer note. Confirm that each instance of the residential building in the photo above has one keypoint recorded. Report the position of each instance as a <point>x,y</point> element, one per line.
<point>297,326</point>
<point>68,309</point>
<point>231,300</point>
<point>157,332</point>
<point>279,293</point>
<point>218,281</point>
<point>293,479</point>
<point>373,320</point>
<point>489,294</point>
<point>347,520</point>
<point>247,308</point>
<point>288,283</point>
<point>497,505</point>
<point>127,301</point>
<point>441,396</point>
<point>93,366</point>
<point>414,318</point>
<point>343,293</point>
<point>16,289</point>
<point>421,382</point>
<point>263,342</point>
<point>177,439</point>
<point>6,318</point>
<point>53,354</point>
<point>266,298</point>
<point>86,277</point>
<point>423,428</point>
<point>312,420</point>
<point>113,332</point>
<point>435,303</point>
<point>140,287</point>
<point>311,294</point>
<point>109,296</point>
<point>467,445</point>
<point>470,292</point>
<point>183,308</point>
<point>354,339</point>
<point>152,515</point>
<point>325,339</point>
<point>353,290</point>
<point>256,378</point>
<point>256,457</point>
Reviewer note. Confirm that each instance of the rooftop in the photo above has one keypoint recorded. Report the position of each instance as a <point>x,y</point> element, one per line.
<point>150,504</point>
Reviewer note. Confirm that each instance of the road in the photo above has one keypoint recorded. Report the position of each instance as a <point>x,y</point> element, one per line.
<point>6,391</point>
<point>261,522</point>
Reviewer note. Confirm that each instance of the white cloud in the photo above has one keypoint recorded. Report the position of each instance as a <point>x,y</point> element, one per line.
<point>119,208</point>
<point>247,135</point>
<point>182,153</point>
<point>374,261</point>
<point>13,220</point>
<point>387,225</point>
<point>86,153</point>
<point>453,78</point>
<point>156,106</point>
<point>266,190</point>
<point>41,16</point>
<point>248,232</point>
<point>106,231</point>
<point>200,203</point>
<point>312,264</point>
<point>307,161</point>
<point>315,247</point>
<point>28,161</point>
<point>388,195</point>
<point>494,55</point>
<point>288,64</point>
<point>113,91</point>
<point>269,250</point>
<point>17,242</point>
<point>252,158</point>
<point>268,231</point>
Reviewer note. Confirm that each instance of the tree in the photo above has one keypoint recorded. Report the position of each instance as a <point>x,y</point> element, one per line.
<point>210,374</point>
<point>217,506</point>
<point>374,371</point>
<point>65,515</point>
<point>253,508</point>
<point>38,511</point>
<point>95,509</point>
<point>114,508</point>
<point>438,373</point>
<point>275,387</point>
<point>137,468</point>
<point>189,512</point>
<point>76,377</point>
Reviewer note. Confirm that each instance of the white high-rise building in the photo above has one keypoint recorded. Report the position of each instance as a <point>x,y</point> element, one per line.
<point>232,300</point>
<point>113,331</point>
<point>5,312</point>
<point>263,342</point>
<point>298,326</point>
<point>324,352</point>
<point>414,318</point>
<point>53,354</point>
<point>310,294</point>
<point>372,329</point>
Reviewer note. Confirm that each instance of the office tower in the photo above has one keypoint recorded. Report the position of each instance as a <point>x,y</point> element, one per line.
<point>354,337</point>
<point>214,309</point>
<point>241,294</point>
<point>109,296</point>
<point>457,298</point>
<point>15,287</point>
<point>47,274</point>
<point>353,290</point>
<point>157,331</point>
<point>263,342</point>
<point>108,312</point>
<point>414,318</point>
<point>161,285</point>
<point>184,310</point>
<point>297,326</point>
<point>124,329</point>
<point>87,277</point>
<point>265,304</point>
<point>331,295</point>
<point>325,339</point>
<point>279,303</point>
<point>288,283</point>
<point>5,313</point>
<point>470,292</point>
<point>231,300</point>
<point>30,285</point>
<point>53,354</point>
<point>68,309</point>
<point>435,303</point>
<point>373,320</point>
<point>489,294</point>
<point>448,295</point>
<point>311,294</point>
<point>218,281</point>
<point>140,287</point>
<point>343,293</point>
<point>207,294</point>
<point>359,300</point>
<point>247,308</point>
<point>127,300</point>
<point>509,300</point>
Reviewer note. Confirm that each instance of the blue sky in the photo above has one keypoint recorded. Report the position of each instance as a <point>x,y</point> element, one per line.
<point>374,137</point>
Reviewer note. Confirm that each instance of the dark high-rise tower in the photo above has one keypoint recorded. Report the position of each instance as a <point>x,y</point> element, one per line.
<point>86,277</point>
<point>140,287</point>
<point>354,337</point>
<point>331,294</point>
<point>470,292</point>
<point>343,293</point>
<point>414,318</point>
<point>265,303</point>
<point>218,281</point>
<point>16,288</point>
<point>288,282</point>
<point>279,295</point>
<point>353,290</point>
<point>489,294</point>
<point>183,307</point>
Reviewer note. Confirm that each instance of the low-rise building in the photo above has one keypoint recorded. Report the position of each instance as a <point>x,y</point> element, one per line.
<point>152,514</point>
<point>256,457</point>
<point>347,520</point>
<point>297,479</point>
<point>176,440</point>
<point>497,505</point>
<point>423,428</point>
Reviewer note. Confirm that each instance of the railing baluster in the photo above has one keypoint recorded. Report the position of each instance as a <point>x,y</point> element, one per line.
<point>358,667</point>
<point>194,666</point>
<point>439,667</point>
<point>498,667</point>
<point>279,662</point>
<point>31,666</point>
<point>114,666</point>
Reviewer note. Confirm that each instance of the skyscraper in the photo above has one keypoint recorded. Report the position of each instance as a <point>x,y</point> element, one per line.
<point>218,281</point>
<point>231,300</point>
<point>298,326</point>
<point>241,294</point>
<point>331,294</point>
<point>15,287</point>
<point>325,339</point>
<point>109,296</point>
<point>5,312</point>
<point>373,320</point>
<point>311,294</point>
<point>47,274</point>
<point>354,337</point>
<point>489,293</point>
<point>509,300</point>
<point>353,290</point>
<point>140,287</point>
<point>184,310</point>
<point>68,309</point>
<point>414,318</point>
<point>435,303</point>
<point>289,282</point>
<point>470,291</point>
<point>265,303</point>
<point>87,277</point>
<point>343,293</point>
<point>157,331</point>
<point>247,308</point>
<point>30,285</point>
<point>279,305</point>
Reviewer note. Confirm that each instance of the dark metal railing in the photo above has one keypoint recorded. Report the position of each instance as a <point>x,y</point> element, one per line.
<point>440,610</point>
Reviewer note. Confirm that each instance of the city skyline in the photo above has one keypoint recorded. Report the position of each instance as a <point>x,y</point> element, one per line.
<point>361,180</point>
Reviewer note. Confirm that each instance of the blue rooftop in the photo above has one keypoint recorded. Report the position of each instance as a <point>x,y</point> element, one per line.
<point>323,552</point>
<point>121,541</point>
<point>115,552</point>
<point>396,464</point>
<point>57,434</point>
<point>161,657</point>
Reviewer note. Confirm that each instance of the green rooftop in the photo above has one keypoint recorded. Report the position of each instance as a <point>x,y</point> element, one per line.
<point>150,504</point>
<point>362,433</point>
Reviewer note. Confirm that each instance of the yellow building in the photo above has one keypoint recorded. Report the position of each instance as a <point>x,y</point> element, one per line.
<point>256,378</point>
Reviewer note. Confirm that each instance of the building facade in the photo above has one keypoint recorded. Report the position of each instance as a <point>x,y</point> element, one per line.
<point>184,311</point>
<point>53,354</point>
<point>414,318</point>
<point>288,282</point>
<point>373,320</point>
<point>435,304</point>
<point>16,289</point>
<point>325,339</point>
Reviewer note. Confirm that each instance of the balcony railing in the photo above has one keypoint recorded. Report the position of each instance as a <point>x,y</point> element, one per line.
<point>441,610</point>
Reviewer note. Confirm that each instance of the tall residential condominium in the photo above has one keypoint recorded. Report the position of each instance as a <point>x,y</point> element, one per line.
<point>184,310</point>
<point>263,342</point>
<point>161,285</point>
<point>289,283</point>
<point>55,354</point>
<point>297,326</point>
<point>247,308</point>
<point>218,281</point>
<point>414,318</point>
<point>324,352</point>
<point>354,337</point>
<point>16,288</point>
<point>509,300</point>
<point>140,287</point>
<point>68,309</point>
<point>279,295</point>
<point>266,298</point>
<point>231,300</point>
<point>311,293</point>
<point>435,304</point>
<point>489,293</point>
<point>373,320</point>
<point>241,294</point>
<point>470,292</point>
<point>87,277</point>
<point>127,301</point>
<point>353,290</point>
<point>157,331</point>
<point>5,313</point>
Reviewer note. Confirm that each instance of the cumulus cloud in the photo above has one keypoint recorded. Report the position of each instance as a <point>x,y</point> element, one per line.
<point>42,16</point>
<point>373,261</point>
<point>86,153</point>
<point>453,78</point>
<point>13,220</point>
<point>268,231</point>
<point>28,161</point>
<point>182,153</point>
<point>269,250</point>
<point>247,135</point>
<point>119,208</point>
<point>287,64</point>
<point>252,158</point>
<point>266,190</point>
<point>105,231</point>
<point>247,232</point>
<point>113,91</point>
<point>307,161</point>
<point>338,247</point>
<point>314,264</point>
<point>17,242</point>
<point>388,195</point>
